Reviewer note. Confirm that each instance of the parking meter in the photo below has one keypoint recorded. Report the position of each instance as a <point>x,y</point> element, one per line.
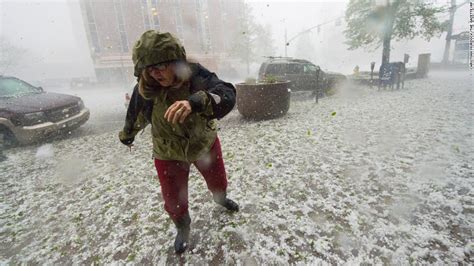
<point>372,66</point>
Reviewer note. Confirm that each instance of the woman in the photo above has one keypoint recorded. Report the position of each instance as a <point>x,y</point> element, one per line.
<point>181,100</point>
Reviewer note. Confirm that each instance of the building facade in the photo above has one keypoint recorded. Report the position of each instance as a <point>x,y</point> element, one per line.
<point>205,27</point>
<point>462,48</point>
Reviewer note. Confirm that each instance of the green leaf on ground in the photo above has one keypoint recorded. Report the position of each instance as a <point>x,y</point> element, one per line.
<point>131,257</point>
<point>135,217</point>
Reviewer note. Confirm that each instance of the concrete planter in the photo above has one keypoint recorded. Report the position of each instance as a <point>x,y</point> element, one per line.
<point>263,100</point>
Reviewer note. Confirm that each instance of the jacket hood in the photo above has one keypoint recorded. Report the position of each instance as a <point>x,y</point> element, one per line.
<point>153,48</point>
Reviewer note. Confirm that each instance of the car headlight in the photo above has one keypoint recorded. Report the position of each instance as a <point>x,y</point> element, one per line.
<point>80,103</point>
<point>33,118</point>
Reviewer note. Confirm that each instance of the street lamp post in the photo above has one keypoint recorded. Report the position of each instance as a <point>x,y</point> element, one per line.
<point>372,66</point>
<point>286,36</point>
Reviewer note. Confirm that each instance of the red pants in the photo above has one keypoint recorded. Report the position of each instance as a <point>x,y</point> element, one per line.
<point>173,176</point>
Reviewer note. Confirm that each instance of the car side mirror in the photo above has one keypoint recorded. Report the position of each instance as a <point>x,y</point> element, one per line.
<point>40,88</point>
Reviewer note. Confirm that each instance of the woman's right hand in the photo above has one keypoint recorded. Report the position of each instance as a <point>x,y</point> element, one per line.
<point>178,112</point>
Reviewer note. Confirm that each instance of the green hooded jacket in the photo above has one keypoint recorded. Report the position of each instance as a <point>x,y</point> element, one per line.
<point>210,99</point>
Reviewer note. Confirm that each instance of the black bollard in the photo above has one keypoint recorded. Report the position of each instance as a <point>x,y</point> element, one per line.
<point>372,66</point>
<point>2,156</point>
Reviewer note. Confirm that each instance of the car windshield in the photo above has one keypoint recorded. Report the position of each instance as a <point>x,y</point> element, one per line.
<point>11,87</point>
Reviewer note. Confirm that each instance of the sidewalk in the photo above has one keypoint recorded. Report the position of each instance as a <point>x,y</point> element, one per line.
<point>364,77</point>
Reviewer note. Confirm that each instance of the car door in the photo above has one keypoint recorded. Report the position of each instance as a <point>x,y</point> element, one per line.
<point>310,77</point>
<point>294,73</point>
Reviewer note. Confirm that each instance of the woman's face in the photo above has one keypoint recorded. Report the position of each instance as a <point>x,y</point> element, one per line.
<point>163,73</point>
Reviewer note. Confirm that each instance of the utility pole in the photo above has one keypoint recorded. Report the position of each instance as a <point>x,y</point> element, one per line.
<point>452,12</point>
<point>447,47</point>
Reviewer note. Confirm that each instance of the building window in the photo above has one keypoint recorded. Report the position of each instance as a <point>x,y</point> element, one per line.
<point>121,25</point>
<point>92,27</point>
<point>203,25</point>
<point>178,20</point>
<point>207,30</point>
<point>146,17</point>
<point>224,23</point>
<point>95,40</point>
<point>154,13</point>
<point>199,25</point>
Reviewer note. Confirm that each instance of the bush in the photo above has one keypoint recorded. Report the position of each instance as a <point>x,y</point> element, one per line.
<point>250,81</point>
<point>269,79</point>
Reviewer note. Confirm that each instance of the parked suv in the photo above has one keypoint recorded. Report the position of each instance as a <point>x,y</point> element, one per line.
<point>29,114</point>
<point>304,75</point>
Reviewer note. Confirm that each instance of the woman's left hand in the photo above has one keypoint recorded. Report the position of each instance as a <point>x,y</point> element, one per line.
<point>178,111</point>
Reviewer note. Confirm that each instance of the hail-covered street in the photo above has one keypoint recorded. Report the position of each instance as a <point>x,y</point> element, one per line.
<point>362,176</point>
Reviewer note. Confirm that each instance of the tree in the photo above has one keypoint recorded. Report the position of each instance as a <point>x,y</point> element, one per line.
<point>264,43</point>
<point>373,23</point>
<point>252,40</point>
<point>10,56</point>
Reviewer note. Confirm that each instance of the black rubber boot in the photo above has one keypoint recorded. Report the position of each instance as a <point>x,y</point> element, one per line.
<point>221,199</point>
<point>182,236</point>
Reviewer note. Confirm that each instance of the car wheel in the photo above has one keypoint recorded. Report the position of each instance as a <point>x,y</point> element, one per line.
<point>7,139</point>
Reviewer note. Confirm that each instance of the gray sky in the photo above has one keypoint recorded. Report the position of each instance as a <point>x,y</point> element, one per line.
<point>52,33</point>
